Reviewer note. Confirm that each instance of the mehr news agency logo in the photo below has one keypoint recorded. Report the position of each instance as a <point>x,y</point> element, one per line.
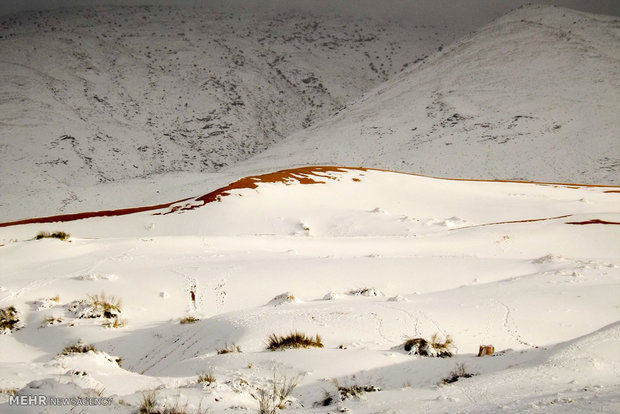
<point>46,400</point>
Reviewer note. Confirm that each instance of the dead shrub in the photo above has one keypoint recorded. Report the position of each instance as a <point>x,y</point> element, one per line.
<point>149,405</point>
<point>459,371</point>
<point>434,347</point>
<point>346,392</point>
<point>417,346</point>
<point>275,395</point>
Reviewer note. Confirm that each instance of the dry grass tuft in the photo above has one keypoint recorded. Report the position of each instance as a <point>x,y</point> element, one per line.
<point>206,378</point>
<point>147,403</point>
<point>229,349</point>
<point>188,319</point>
<point>293,340</point>
<point>78,348</point>
<point>115,323</point>
<point>9,321</point>
<point>459,371</point>
<point>51,320</point>
<point>273,397</point>
<point>444,349</point>
<point>60,235</point>
<point>354,390</point>
<point>109,306</point>
<point>345,392</point>
<point>8,391</point>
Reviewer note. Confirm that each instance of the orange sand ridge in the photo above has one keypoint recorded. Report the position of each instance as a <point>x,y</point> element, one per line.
<point>301,175</point>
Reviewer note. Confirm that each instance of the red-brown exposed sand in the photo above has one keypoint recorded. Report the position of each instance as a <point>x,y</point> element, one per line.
<point>302,175</point>
<point>79,216</point>
<point>513,222</point>
<point>476,180</point>
<point>594,221</point>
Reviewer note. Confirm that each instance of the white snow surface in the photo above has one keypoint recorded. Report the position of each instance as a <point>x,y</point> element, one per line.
<point>363,258</point>
<point>111,108</point>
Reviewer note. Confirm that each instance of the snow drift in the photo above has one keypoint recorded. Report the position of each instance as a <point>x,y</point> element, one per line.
<point>364,258</point>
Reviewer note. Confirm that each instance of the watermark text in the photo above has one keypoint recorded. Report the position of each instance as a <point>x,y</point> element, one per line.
<point>46,400</point>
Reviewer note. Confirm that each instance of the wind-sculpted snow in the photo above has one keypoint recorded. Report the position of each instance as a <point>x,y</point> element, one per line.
<point>302,175</point>
<point>321,175</point>
<point>330,201</point>
<point>181,298</point>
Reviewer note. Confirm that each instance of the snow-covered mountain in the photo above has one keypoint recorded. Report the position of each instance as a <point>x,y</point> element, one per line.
<point>535,95</point>
<point>100,95</point>
<point>147,100</point>
<point>363,258</point>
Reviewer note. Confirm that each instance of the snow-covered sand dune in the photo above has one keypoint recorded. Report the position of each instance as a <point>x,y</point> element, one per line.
<point>364,258</point>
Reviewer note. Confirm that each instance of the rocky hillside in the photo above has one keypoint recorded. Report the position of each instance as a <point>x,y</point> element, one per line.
<point>89,96</point>
<point>533,96</point>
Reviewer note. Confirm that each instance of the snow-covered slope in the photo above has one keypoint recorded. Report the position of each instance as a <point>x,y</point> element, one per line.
<point>90,96</point>
<point>363,258</point>
<point>534,95</point>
